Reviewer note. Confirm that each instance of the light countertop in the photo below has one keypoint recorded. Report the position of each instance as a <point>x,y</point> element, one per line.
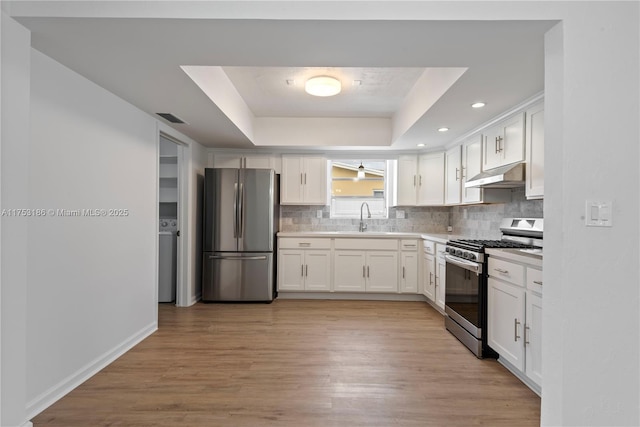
<point>437,237</point>
<point>526,256</point>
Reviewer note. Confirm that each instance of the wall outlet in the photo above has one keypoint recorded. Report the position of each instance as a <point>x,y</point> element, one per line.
<point>465,215</point>
<point>399,214</point>
<point>449,228</point>
<point>319,214</point>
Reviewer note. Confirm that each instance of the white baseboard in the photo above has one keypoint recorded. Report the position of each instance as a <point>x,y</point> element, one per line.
<point>55,393</point>
<point>521,376</point>
<point>350,296</point>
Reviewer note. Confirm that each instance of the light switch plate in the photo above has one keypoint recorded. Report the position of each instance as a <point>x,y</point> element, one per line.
<point>599,213</point>
<point>399,214</point>
<point>319,214</point>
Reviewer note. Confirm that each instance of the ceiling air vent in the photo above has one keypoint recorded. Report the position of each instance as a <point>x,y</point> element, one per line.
<point>171,118</point>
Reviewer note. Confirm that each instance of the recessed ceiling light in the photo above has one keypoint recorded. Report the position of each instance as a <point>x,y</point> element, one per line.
<point>420,145</point>
<point>443,129</point>
<point>478,105</point>
<point>323,86</point>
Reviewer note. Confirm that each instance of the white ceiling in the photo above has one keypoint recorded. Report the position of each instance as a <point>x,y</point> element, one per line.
<point>140,59</point>
<point>380,94</point>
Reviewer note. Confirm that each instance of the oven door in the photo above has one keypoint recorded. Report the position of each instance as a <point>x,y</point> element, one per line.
<point>463,299</point>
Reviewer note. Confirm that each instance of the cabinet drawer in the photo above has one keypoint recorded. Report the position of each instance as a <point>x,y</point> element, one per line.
<point>409,245</point>
<point>367,244</point>
<point>302,243</point>
<point>534,279</point>
<point>506,270</point>
<point>429,247</point>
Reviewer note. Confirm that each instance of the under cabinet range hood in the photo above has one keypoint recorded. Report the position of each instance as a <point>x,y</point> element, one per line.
<point>508,176</point>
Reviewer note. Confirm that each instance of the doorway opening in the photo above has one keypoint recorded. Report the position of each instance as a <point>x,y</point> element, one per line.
<point>170,155</point>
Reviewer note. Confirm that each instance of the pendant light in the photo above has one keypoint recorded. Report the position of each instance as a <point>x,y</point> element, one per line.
<point>360,171</point>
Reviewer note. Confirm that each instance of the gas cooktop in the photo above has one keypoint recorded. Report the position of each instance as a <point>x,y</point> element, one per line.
<point>479,245</point>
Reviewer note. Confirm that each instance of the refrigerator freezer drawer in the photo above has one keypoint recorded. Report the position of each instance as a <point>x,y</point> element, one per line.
<point>238,276</point>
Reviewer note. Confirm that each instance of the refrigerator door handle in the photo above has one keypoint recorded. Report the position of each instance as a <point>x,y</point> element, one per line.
<point>235,210</point>
<point>238,258</point>
<point>241,211</point>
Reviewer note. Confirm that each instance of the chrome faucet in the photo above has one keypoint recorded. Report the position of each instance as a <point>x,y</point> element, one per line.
<point>363,226</point>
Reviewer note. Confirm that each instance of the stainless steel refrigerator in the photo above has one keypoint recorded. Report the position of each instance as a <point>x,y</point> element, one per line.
<point>241,218</point>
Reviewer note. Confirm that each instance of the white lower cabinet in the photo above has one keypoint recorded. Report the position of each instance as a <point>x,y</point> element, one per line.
<point>409,262</point>
<point>365,271</point>
<point>440,276</point>
<point>533,338</point>
<point>429,276</point>
<point>305,270</point>
<point>515,317</point>
<point>304,265</point>
<point>506,321</point>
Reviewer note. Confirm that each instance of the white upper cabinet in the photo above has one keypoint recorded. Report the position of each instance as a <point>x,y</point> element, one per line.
<point>420,180</point>
<point>534,137</point>
<point>504,143</point>
<point>407,181</point>
<point>248,161</point>
<point>471,166</point>
<point>303,180</point>
<point>453,176</point>
<point>430,179</point>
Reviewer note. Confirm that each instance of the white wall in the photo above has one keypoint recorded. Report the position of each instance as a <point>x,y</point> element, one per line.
<point>313,131</point>
<point>14,170</point>
<point>92,280</point>
<point>590,345</point>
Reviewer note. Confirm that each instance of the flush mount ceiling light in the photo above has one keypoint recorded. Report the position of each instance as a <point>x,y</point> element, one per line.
<point>360,171</point>
<point>478,105</point>
<point>420,145</point>
<point>323,86</point>
<point>443,129</point>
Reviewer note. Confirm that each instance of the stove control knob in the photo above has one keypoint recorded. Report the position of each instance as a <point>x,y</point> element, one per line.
<point>472,257</point>
<point>459,253</point>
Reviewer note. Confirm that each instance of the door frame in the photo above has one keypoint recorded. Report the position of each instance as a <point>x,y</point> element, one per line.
<point>183,298</point>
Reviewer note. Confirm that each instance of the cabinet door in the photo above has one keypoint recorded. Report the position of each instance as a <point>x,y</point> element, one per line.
<point>534,143</point>
<point>491,155</point>
<point>440,282</point>
<point>429,278</point>
<point>533,338</point>
<point>407,180</point>
<point>349,271</point>
<point>431,179</point>
<point>233,161</point>
<point>317,270</point>
<point>314,180</point>
<point>471,166</point>
<point>382,271</point>
<point>453,176</point>
<point>512,147</point>
<point>291,181</point>
<point>409,273</point>
<point>290,270</point>
<point>506,321</point>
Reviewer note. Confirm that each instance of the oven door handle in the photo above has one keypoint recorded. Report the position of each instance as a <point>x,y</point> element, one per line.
<point>467,265</point>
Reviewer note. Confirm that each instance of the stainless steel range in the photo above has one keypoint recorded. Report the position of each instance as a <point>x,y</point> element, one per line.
<point>466,280</point>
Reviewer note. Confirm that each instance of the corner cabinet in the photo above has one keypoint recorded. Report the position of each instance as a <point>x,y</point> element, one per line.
<point>504,143</point>
<point>515,317</point>
<point>534,136</point>
<point>303,181</point>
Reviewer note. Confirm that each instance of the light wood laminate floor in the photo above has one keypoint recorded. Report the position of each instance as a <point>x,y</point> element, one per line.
<point>299,363</point>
